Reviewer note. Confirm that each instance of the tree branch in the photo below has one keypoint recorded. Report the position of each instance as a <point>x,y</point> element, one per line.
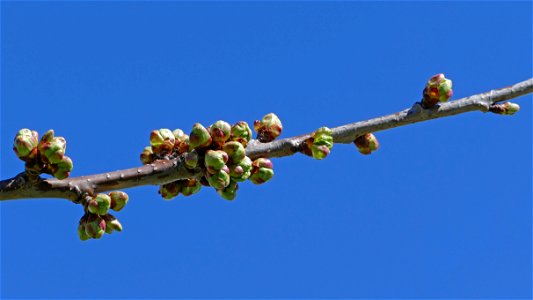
<point>165,171</point>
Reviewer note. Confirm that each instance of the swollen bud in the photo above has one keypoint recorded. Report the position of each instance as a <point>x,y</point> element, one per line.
<point>220,131</point>
<point>162,141</point>
<point>181,145</point>
<point>269,128</point>
<point>191,159</point>
<point>61,170</point>
<point>241,132</point>
<point>261,171</point>
<point>366,143</point>
<point>219,180</point>
<point>235,151</point>
<point>322,142</point>
<point>81,232</point>
<point>229,192</point>
<point>438,89</point>
<point>111,224</point>
<point>242,170</point>
<point>25,144</point>
<point>95,226</point>
<point>52,152</point>
<point>99,205</point>
<point>199,137</point>
<point>119,199</point>
<point>170,190</point>
<point>190,186</point>
<point>215,160</point>
<point>147,156</point>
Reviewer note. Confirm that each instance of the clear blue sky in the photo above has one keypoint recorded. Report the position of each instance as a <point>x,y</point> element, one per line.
<point>443,209</point>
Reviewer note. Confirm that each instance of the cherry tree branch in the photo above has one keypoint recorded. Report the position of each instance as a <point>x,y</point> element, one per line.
<point>165,171</point>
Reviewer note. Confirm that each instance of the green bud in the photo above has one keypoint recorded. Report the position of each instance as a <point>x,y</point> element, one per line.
<point>162,141</point>
<point>179,135</point>
<point>191,159</point>
<point>320,143</point>
<point>220,131</point>
<point>438,89</point>
<point>219,180</point>
<point>242,170</point>
<point>119,199</point>
<point>507,108</point>
<point>366,143</point>
<point>81,232</point>
<point>229,192</point>
<point>190,186</point>
<point>199,137</point>
<point>99,205</point>
<point>47,136</point>
<point>235,151</point>
<point>170,190</point>
<point>261,175</point>
<point>147,156</point>
<point>61,170</point>
<point>319,151</point>
<point>111,224</point>
<point>25,144</point>
<point>269,128</point>
<point>52,152</point>
<point>241,132</point>
<point>215,160</point>
<point>261,171</point>
<point>95,226</point>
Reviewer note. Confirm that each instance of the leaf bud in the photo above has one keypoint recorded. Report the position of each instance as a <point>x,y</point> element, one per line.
<point>438,89</point>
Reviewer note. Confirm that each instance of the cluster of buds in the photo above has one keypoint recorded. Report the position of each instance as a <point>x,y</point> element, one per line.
<point>507,108</point>
<point>438,89</point>
<point>43,156</point>
<point>97,220</point>
<point>366,143</point>
<point>319,144</point>
<point>218,150</point>
<point>268,129</point>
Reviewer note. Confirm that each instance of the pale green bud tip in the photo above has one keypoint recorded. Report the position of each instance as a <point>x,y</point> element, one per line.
<point>61,170</point>
<point>25,144</point>
<point>512,108</point>
<point>219,180</point>
<point>320,151</point>
<point>47,136</point>
<point>220,131</point>
<point>119,199</point>
<point>95,226</point>
<point>147,156</point>
<point>199,137</point>
<point>507,108</point>
<point>229,192</point>
<point>242,170</point>
<point>162,140</point>
<point>112,224</point>
<point>322,143</point>
<point>99,205</point>
<point>241,132</point>
<point>53,151</point>
<point>170,190</point>
<point>269,128</point>
<point>438,89</point>
<point>261,175</point>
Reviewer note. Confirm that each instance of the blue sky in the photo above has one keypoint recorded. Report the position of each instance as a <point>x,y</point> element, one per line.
<point>443,209</point>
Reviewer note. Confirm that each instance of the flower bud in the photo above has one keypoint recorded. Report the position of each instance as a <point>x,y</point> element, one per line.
<point>170,190</point>
<point>366,143</point>
<point>215,160</point>
<point>95,226</point>
<point>111,224</point>
<point>81,232</point>
<point>100,204</point>
<point>220,131</point>
<point>119,199</point>
<point>52,152</point>
<point>199,137</point>
<point>147,156</point>
<point>241,132</point>
<point>162,141</point>
<point>438,89</point>
<point>269,128</point>
<point>218,180</point>
<point>322,142</point>
<point>242,170</point>
<point>47,136</point>
<point>229,192</point>
<point>25,144</point>
<point>261,171</point>
<point>61,170</point>
<point>190,186</point>
<point>235,151</point>
<point>191,159</point>
<point>182,141</point>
